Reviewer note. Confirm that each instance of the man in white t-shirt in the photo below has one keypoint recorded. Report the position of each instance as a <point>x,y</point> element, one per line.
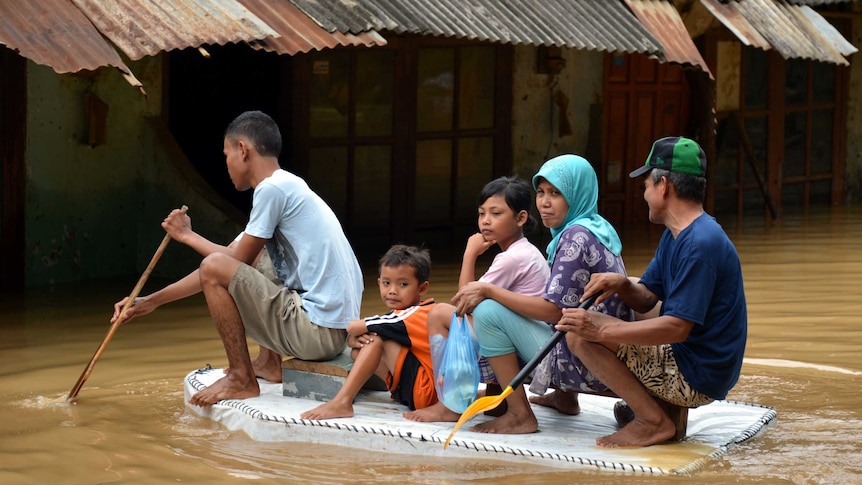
<point>306,316</point>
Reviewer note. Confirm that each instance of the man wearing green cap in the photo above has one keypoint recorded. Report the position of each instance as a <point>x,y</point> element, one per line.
<point>691,354</point>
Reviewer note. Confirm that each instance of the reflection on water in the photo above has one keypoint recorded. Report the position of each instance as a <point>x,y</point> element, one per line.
<point>130,425</point>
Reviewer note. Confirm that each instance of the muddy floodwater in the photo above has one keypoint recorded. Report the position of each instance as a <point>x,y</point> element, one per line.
<point>804,358</point>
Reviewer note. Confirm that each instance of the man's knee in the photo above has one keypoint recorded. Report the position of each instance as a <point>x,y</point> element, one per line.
<point>218,268</point>
<point>575,343</point>
<point>583,348</point>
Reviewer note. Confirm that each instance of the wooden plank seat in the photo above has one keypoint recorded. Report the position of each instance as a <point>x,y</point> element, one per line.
<point>320,381</point>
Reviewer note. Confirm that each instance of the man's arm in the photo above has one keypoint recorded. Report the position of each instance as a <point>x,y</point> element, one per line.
<point>179,226</point>
<point>598,327</point>
<point>187,286</point>
<point>636,295</point>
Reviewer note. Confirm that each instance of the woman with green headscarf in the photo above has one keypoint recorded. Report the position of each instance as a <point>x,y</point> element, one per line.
<point>509,325</point>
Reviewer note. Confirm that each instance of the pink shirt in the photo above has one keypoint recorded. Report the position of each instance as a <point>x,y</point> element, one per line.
<point>521,269</point>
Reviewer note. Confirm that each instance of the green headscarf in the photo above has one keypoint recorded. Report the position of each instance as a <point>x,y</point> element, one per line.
<point>575,178</point>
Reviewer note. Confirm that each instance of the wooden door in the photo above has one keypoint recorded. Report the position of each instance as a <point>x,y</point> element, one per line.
<point>643,100</point>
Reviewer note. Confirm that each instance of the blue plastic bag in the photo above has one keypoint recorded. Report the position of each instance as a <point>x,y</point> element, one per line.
<point>458,379</point>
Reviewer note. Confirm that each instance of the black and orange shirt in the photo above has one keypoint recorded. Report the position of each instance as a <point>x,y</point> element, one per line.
<point>412,383</point>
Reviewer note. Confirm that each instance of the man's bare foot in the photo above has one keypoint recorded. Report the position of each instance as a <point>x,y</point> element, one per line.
<point>639,433</point>
<point>228,387</point>
<point>266,369</point>
<point>329,410</point>
<point>436,412</point>
<point>509,423</point>
<point>269,369</point>
<point>565,402</point>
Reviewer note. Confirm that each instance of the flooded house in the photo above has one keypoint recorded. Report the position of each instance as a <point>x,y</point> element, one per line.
<point>398,112</point>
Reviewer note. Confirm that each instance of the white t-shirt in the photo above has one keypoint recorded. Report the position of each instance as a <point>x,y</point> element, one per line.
<point>308,248</point>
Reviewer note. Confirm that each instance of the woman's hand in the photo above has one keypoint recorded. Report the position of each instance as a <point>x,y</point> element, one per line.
<point>469,296</point>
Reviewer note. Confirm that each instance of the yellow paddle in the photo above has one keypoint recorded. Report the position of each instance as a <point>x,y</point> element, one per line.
<point>73,394</point>
<point>487,403</point>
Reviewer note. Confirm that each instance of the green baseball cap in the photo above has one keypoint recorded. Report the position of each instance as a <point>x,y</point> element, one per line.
<point>675,154</point>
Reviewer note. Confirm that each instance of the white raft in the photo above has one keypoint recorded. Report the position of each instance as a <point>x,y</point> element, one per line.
<point>562,441</point>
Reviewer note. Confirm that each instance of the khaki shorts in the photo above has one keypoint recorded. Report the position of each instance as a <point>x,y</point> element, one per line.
<point>655,366</point>
<point>273,317</point>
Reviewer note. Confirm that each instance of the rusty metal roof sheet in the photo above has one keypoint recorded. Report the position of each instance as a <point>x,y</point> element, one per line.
<point>55,34</point>
<point>737,24</point>
<point>145,27</point>
<point>581,24</point>
<point>795,31</point>
<point>663,20</point>
<point>299,33</point>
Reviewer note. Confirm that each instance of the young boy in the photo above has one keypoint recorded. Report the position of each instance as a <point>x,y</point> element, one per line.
<point>395,345</point>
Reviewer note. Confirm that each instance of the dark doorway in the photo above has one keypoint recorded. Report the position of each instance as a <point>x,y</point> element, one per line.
<point>205,94</point>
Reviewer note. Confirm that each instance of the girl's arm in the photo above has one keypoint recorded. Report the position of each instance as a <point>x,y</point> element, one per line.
<point>476,245</point>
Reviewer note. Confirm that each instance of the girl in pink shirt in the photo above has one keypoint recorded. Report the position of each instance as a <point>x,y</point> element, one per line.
<point>504,218</point>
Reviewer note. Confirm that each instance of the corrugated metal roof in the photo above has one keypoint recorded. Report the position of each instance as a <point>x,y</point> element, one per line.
<point>145,27</point>
<point>663,20</point>
<point>817,3</point>
<point>299,33</point>
<point>55,34</point>
<point>829,32</point>
<point>812,3</point>
<point>737,24</point>
<point>795,31</point>
<point>581,24</point>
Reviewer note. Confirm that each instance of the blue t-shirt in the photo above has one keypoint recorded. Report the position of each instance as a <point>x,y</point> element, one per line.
<point>308,248</point>
<point>698,277</point>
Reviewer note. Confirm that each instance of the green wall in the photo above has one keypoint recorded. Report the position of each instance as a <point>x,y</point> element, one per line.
<point>95,212</point>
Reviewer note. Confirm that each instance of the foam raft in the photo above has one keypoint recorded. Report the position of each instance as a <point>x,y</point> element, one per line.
<point>562,441</point>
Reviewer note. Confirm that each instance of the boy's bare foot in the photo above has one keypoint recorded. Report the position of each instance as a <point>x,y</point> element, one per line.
<point>509,423</point>
<point>436,412</point>
<point>565,402</point>
<point>639,433</point>
<point>330,410</point>
<point>228,387</point>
